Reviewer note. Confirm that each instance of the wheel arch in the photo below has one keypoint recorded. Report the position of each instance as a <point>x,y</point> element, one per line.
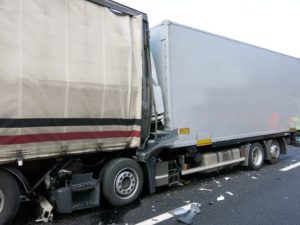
<point>19,177</point>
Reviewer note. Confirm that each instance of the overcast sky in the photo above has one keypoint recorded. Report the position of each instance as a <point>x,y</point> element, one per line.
<point>272,24</point>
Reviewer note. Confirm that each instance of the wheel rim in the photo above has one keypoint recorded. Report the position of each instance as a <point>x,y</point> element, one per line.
<point>126,183</point>
<point>275,151</point>
<point>1,200</point>
<point>257,156</point>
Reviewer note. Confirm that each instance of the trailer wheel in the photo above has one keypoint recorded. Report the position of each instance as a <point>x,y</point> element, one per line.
<point>122,181</point>
<point>274,152</point>
<point>9,198</point>
<point>256,156</point>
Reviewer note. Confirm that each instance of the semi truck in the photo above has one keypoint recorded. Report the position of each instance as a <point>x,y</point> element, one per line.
<point>87,112</point>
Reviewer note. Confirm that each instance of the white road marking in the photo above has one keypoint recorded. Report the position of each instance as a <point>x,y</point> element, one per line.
<point>290,167</point>
<point>165,216</point>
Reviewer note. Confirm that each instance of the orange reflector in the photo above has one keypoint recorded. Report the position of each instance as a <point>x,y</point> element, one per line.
<point>184,131</point>
<point>204,142</point>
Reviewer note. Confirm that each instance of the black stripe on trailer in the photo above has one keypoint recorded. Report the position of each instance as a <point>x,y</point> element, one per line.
<point>57,122</point>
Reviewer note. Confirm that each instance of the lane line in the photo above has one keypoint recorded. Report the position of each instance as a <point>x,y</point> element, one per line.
<point>290,167</point>
<point>164,216</point>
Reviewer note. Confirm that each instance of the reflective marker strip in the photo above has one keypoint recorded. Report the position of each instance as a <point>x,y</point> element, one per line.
<point>290,167</point>
<point>164,216</point>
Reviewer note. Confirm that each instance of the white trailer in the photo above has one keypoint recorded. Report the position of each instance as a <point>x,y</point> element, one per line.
<point>232,102</point>
<point>220,89</point>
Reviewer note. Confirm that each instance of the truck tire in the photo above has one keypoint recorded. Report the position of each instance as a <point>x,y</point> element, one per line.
<point>256,156</point>
<point>9,198</point>
<point>274,152</point>
<point>122,181</point>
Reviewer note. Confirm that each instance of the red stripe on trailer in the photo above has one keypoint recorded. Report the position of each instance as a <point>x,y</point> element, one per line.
<point>32,138</point>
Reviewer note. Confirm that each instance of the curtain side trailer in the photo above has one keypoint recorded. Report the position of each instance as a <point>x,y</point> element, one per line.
<point>75,104</point>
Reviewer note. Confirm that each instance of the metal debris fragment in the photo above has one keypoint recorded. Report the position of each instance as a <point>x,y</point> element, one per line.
<point>255,178</point>
<point>227,178</point>
<point>229,193</point>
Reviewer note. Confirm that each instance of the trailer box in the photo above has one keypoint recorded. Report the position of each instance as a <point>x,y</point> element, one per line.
<point>71,75</point>
<point>218,90</point>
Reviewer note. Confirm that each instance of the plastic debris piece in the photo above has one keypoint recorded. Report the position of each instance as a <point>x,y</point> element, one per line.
<point>255,178</point>
<point>227,178</point>
<point>187,202</point>
<point>204,189</point>
<point>229,193</point>
<point>217,182</point>
<point>179,211</point>
<point>195,209</point>
<point>220,198</point>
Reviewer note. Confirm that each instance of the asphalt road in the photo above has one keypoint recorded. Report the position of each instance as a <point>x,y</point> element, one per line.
<point>267,196</point>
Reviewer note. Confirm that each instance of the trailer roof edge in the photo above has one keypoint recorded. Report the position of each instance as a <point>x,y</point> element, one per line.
<point>119,7</point>
<point>170,22</point>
